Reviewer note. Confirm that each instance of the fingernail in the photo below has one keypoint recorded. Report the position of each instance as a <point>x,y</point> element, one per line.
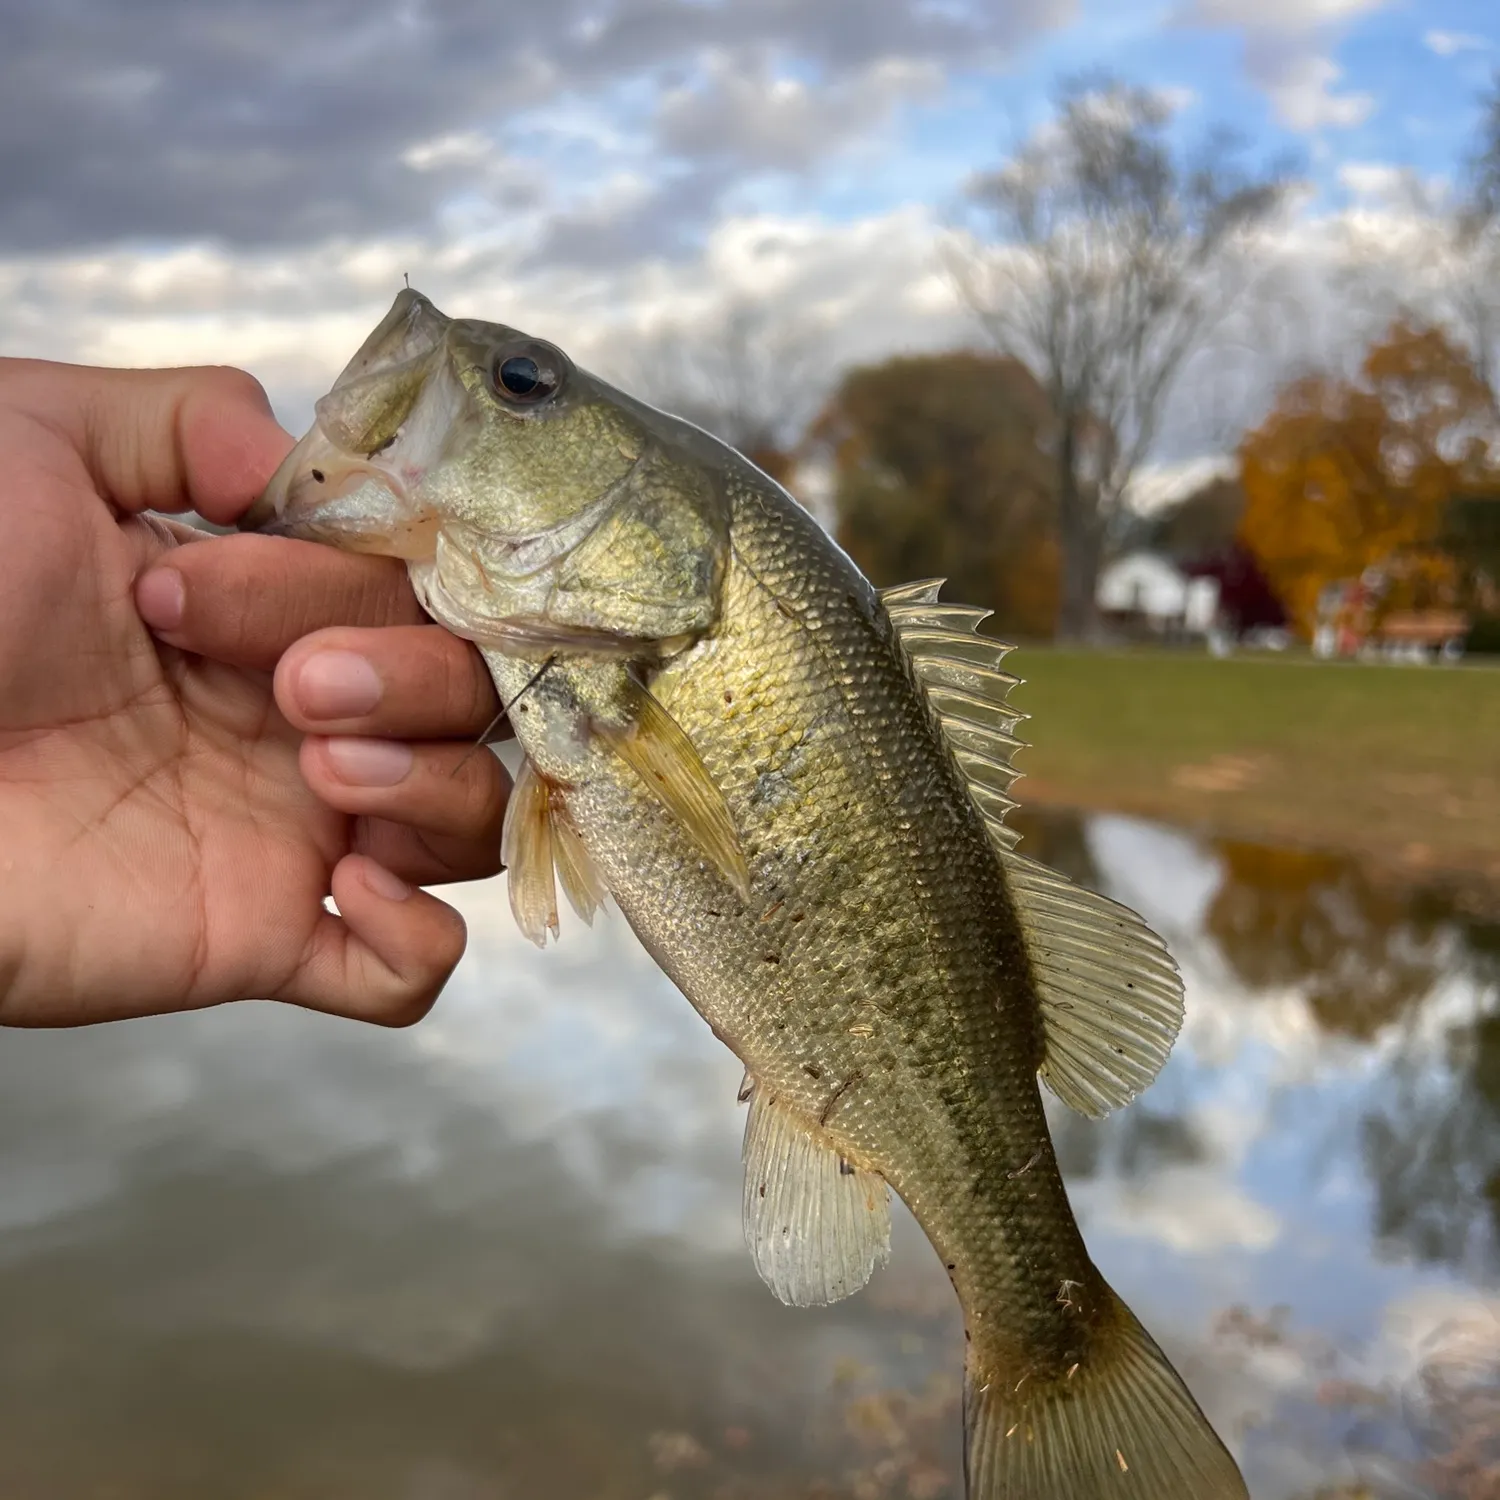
<point>159,598</point>
<point>337,685</point>
<point>383,883</point>
<point>370,762</point>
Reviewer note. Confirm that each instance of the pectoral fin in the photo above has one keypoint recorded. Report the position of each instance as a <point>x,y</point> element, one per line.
<point>653,745</point>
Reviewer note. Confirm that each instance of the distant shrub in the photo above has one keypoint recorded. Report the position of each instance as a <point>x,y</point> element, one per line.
<point>1484,636</point>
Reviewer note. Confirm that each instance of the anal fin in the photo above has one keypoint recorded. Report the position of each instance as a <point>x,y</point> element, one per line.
<point>817,1226</point>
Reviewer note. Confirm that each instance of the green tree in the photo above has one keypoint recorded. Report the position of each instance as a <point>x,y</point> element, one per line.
<point>1202,524</point>
<point>940,472</point>
<point>1471,536</point>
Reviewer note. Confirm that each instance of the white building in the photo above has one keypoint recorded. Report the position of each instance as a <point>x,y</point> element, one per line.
<point>1149,589</point>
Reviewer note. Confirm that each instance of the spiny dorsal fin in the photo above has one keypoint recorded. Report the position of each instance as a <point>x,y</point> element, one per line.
<point>538,835</point>
<point>816,1225</point>
<point>654,745</point>
<point>1110,995</point>
<point>960,674</point>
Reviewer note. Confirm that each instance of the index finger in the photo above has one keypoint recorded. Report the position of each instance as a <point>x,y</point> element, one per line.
<point>245,599</point>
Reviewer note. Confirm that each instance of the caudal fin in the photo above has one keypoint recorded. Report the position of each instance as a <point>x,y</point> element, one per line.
<point>1121,1424</point>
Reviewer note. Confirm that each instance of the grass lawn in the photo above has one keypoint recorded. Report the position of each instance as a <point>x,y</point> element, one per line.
<point>1402,763</point>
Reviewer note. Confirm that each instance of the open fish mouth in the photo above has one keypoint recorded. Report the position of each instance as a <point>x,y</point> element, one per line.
<point>315,474</point>
<point>323,493</point>
<point>353,479</point>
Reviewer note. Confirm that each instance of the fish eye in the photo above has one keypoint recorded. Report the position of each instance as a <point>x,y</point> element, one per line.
<point>526,376</point>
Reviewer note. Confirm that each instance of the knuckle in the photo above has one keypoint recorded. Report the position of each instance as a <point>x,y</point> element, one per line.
<point>408,1007</point>
<point>230,383</point>
<point>466,685</point>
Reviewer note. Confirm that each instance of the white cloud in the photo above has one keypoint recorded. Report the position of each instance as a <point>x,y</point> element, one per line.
<point>1284,57</point>
<point>1193,1210</point>
<point>293,318</point>
<point>1177,97</point>
<point>1160,485</point>
<point>1374,180</point>
<point>219,131</point>
<point>1302,93</point>
<point>458,149</point>
<point>763,119</point>
<point>1449,43</point>
<point>1278,15</point>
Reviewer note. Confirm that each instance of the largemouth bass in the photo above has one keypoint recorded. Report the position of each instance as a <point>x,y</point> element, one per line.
<point>794,787</point>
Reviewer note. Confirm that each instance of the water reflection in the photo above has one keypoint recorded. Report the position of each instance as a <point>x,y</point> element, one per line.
<point>1364,954</point>
<point>259,1253</point>
<point>1433,1149</point>
<point>1372,962</point>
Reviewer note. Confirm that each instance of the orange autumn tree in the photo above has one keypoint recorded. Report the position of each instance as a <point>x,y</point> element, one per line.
<point>1345,475</point>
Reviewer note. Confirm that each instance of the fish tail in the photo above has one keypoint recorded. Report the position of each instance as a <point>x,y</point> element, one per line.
<point>1119,1423</point>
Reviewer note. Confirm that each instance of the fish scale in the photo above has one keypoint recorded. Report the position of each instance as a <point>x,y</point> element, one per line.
<point>794,789</point>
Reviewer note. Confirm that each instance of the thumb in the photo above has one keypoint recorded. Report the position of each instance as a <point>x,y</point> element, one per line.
<point>385,957</point>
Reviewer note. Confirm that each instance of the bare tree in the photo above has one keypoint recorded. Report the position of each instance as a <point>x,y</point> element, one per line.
<point>747,374</point>
<point>1476,234</point>
<point>1101,258</point>
<point>1430,253</point>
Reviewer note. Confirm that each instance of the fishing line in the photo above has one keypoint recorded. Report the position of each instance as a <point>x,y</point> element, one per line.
<point>505,709</point>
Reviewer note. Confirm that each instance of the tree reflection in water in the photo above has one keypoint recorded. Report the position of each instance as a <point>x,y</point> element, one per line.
<point>1364,953</point>
<point>1368,956</point>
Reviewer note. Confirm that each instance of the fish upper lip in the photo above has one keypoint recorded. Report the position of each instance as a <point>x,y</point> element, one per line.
<point>278,506</point>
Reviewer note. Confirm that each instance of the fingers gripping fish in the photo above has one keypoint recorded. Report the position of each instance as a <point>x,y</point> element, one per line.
<point>795,788</point>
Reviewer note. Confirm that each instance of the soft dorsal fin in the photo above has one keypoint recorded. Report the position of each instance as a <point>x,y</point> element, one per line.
<point>538,835</point>
<point>817,1226</point>
<point>1110,994</point>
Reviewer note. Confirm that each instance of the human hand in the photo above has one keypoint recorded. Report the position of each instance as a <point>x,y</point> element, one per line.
<point>167,835</point>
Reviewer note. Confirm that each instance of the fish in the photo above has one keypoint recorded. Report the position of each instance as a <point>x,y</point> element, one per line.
<point>794,787</point>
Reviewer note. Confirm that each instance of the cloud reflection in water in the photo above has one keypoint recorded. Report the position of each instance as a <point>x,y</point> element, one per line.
<point>259,1252</point>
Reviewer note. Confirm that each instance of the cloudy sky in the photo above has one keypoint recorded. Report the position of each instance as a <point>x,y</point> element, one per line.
<point>248,181</point>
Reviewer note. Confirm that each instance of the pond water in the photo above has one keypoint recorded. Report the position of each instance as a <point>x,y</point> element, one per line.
<point>257,1253</point>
